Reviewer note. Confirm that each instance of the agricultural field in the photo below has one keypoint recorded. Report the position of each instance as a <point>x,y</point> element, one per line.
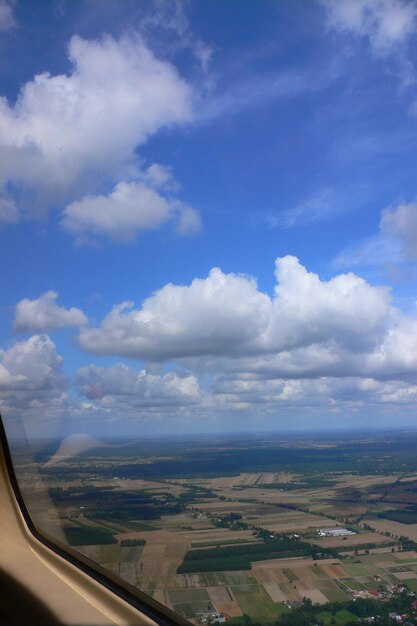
<point>232,527</point>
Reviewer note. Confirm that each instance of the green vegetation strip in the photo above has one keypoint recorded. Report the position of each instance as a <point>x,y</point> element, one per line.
<point>88,536</point>
<point>207,544</point>
<point>130,543</point>
<point>240,557</point>
<point>404,516</point>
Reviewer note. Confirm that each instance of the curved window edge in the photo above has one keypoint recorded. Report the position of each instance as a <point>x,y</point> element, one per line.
<point>140,601</point>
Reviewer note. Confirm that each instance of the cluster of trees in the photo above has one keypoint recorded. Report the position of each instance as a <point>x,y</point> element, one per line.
<point>194,493</point>
<point>231,520</point>
<point>130,543</point>
<point>105,503</point>
<point>239,557</point>
<point>407,544</point>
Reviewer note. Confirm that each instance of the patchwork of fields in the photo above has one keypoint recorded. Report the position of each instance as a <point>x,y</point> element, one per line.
<point>245,542</point>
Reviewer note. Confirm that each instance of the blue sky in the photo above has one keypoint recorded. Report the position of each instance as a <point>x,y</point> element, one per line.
<point>208,215</point>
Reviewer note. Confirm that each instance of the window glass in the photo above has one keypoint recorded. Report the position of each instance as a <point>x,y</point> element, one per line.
<point>208,255</point>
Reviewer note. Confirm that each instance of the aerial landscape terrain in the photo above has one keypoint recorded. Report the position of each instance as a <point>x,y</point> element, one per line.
<point>245,528</point>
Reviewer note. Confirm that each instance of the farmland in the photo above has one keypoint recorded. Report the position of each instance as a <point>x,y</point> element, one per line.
<point>209,526</point>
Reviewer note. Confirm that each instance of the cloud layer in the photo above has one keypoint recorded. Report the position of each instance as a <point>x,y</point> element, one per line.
<point>221,347</point>
<point>226,315</point>
<point>123,389</point>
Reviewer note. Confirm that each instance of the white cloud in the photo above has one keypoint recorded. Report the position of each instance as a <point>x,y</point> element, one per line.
<point>128,210</point>
<point>395,242</point>
<point>68,135</point>
<point>123,389</point>
<point>396,357</point>
<point>7,20</point>
<point>43,314</point>
<point>171,18</point>
<point>315,208</point>
<point>219,314</point>
<point>225,327</point>
<point>400,223</point>
<point>31,381</point>
<point>327,345</point>
<point>278,395</point>
<point>387,23</point>
<point>226,315</point>
<point>159,176</point>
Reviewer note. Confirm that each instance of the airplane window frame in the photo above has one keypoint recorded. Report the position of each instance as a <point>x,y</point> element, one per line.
<point>145,604</point>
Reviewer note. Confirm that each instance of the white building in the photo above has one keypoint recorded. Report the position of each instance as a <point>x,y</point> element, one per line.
<point>334,532</point>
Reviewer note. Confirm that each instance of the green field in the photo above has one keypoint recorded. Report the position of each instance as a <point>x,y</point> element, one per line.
<point>353,584</point>
<point>112,553</point>
<point>340,618</point>
<point>189,602</point>
<point>411,583</point>
<point>255,602</point>
<point>137,525</point>
<point>227,542</point>
<point>290,574</point>
<point>332,592</point>
<point>88,536</point>
<point>404,516</point>
<point>240,557</point>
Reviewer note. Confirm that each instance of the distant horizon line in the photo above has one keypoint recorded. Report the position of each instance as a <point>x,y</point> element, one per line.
<point>293,434</point>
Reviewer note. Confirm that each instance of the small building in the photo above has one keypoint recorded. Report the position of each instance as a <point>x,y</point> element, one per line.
<point>211,617</point>
<point>396,617</point>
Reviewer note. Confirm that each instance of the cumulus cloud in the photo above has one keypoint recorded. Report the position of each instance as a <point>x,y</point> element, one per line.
<point>69,135</point>
<point>44,314</point>
<point>129,209</point>
<point>31,379</point>
<point>219,314</point>
<point>124,389</point>
<point>226,315</point>
<point>324,344</point>
<point>310,329</point>
<point>387,23</point>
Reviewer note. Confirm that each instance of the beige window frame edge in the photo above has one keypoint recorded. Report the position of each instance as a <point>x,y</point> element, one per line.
<point>75,590</point>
